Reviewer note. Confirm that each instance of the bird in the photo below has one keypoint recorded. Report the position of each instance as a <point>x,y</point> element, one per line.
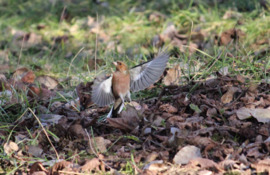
<point>116,87</point>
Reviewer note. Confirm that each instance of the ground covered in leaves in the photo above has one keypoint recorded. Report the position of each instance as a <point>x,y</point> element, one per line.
<point>208,114</point>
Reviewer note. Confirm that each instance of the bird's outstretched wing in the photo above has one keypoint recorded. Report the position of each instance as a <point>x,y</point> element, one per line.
<point>102,91</point>
<point>147,74</point>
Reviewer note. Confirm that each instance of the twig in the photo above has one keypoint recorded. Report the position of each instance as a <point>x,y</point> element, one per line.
<point>45,132</point>
<point>90,144</point>
<point>95,153</point>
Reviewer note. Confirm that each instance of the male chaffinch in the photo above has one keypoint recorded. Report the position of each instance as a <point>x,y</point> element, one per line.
<point>116,87</point>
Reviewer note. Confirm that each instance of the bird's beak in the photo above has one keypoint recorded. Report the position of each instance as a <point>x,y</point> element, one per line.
<point>115,63</point>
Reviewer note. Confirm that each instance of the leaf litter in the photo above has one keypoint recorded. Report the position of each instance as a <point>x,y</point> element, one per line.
<point>218,125</point>
<point>203,126</point>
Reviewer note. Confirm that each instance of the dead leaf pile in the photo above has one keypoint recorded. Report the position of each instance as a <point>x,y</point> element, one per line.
<point>221,125</point>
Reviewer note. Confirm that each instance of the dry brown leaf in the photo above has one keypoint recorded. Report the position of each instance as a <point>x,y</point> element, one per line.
<point>262,166</point>
<point>204,164</point>
<point>40,92</point>
<point>186,154</point>
<point>228,36</point>
<point>27,40</point>
<point>29,77</point>
<point>47,81</point>
<point>19,73</point>
<point>76,130</point>
<point>156,165</point>
<point>262,115</point>
<point>168,108</point>
<point>151,157</point>
<point>37,167</point>
<point>228,96</point>
<point>129,119</point>
<point>158,121</point>
<point>10,147</point>
<point>172,76</point>
<point>100,144</point>
<point>227,164</point>
<point>90,165</point>
<point>211,112</point>
<point>47,119</point>
<point>60,166</point>
<point>34,151</point>
<point>240,78</point>
<point>169,33</point>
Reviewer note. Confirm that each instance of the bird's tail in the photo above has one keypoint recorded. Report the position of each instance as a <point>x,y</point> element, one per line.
<point>116,108</point>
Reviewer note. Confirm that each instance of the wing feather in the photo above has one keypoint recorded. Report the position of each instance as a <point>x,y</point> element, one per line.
<point>101,91</point>
<point>147,74</point>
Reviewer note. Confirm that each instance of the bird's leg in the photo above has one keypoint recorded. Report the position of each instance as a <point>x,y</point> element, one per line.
<point>129,96</point>
<point>110,113</point>
<point>122,104</point>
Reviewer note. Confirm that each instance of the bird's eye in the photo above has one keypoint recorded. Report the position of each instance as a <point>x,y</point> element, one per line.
<point>120,63</point>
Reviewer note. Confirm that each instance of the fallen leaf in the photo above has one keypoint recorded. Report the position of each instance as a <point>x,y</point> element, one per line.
<point>151,157</point>
<point>227,164</point>
<point>129,119</point>
<point>172,76</point>
<point>156,165</point>
<point>19,73</point>
<point>38,167</point>
<point>262,166</point>
<point>228,36</point>
<point>158,121</point>
<point>99,144</point>
<point>76,130</point>
<point>47,81</point>
<point>168,33</point>
<point>29,77</point>
<point>211,112</point>
<point>228,96</point>
<point>204,164</point>
<point>60,166</point>
<point>186,154</point>
<point>262,115</point>
<point>240,78</point>
<point>47,119</point>
<point>168,108</point>
<point>34,151</point>
<point>10,147</point>
<point>27,40</point>
<point>90,165</point>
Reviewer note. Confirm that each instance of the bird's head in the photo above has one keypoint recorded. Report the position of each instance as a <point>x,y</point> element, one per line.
<point>120,66</point>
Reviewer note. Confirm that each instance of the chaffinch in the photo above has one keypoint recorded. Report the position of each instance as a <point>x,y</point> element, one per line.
<point>116,87</point>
